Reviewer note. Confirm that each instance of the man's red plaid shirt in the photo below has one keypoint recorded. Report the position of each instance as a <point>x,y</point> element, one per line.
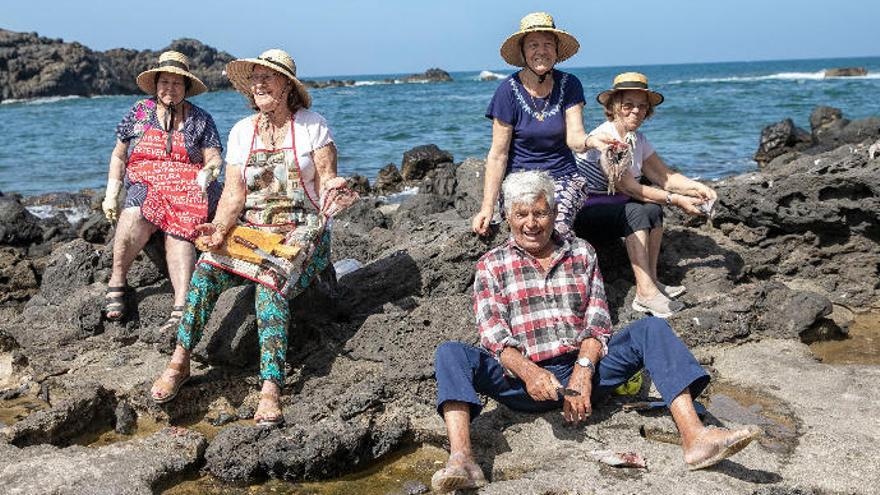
<point>544,315</point>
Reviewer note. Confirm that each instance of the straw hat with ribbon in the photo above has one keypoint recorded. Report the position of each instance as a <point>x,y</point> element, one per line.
<point>511,49</point>
<point>630,80</point>
<point>239,72</point>
<point>173,63</point>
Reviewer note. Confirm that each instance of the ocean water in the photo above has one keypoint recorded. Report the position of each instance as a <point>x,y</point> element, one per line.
<point>708,126</point>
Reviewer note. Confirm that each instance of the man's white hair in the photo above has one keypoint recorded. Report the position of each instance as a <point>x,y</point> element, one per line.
<point>528,187</point>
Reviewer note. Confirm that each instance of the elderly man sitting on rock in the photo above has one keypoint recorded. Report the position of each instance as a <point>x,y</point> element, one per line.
<point>546,341</point>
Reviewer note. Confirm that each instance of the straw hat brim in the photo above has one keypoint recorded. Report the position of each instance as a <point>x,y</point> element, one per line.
<point>146,80</point>
<point>654,97</point>
<point>512,53</point>
<point>239,73</point>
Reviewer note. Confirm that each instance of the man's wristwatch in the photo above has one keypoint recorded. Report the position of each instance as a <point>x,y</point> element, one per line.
<point>586,363</point>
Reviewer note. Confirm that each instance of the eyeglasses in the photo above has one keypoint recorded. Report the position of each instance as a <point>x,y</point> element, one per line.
<point>260,78</point>
<point>629,106</point>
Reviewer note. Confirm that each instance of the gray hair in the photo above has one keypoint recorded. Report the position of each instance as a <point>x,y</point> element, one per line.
<point>528,187</point>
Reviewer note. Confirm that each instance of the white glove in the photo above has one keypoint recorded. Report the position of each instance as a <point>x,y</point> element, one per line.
<point>874,151</point>
<point>112,203</point>
<point>206,176</point>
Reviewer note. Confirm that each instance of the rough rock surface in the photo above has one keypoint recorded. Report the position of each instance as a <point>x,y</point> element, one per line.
<point>787,244</point>
<point>35,66</point>
<point>136,467</point>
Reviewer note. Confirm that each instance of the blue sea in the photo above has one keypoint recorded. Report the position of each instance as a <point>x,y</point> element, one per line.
<point>708,127</point>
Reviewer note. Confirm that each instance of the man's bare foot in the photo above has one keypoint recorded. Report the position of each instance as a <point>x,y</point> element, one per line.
<point>713,445</point>
<point>461,472</point>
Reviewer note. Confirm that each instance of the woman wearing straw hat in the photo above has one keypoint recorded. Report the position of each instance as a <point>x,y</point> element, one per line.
<point>280,183</point>
<point>622,206</point>
<point>162,169</point>
<point>537,119</point>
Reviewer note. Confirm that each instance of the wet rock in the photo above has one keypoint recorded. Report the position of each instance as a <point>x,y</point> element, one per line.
<point>17,225</point>
<point>125,418</point>
<point>780,138</point>
<point>134,467</point>
<point>91,406</point>
<point>421,160</point>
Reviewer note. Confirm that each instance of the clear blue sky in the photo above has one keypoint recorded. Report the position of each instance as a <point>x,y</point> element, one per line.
<point>335,37</point>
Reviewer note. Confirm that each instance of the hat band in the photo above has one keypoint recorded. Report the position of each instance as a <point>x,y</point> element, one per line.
<point>631,84</point>
<point>173,63</point>
<point>279,65</point>
<point>539,26</point>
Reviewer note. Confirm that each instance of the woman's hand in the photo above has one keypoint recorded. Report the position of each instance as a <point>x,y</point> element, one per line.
<point>600,141</point>
<point>706,192</point>
<point>688,204</point>
<point>481,221</point>
<point>210,236</point>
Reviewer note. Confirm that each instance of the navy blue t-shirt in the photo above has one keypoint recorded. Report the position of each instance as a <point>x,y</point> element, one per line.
<point>536,144</point>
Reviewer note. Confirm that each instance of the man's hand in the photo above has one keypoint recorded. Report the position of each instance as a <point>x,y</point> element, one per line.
<point>541,385</point>
<point>578,408</point>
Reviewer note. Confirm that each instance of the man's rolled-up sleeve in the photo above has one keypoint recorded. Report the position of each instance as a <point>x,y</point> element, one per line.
<point>490,309</point>
<point>597,320</point>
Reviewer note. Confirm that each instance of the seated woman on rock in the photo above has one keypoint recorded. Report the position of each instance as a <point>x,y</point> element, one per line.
<point>537,119</point>
<point>271,223</point>
<point>618,205</point>
<point>167,152</point>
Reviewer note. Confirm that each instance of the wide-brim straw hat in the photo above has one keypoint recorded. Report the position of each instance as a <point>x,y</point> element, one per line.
<point>630,81</point>
<point>239,72</point>
<point>511,49</point>
<point>173,63</point>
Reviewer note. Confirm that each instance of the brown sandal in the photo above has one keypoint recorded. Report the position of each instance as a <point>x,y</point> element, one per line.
<point>269,416</point>
<point>170,388</point>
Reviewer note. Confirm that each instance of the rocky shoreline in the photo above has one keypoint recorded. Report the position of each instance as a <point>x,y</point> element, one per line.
<point>34,66</point>
<point>791,248</point>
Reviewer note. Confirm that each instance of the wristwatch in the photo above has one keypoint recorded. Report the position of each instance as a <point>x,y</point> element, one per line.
<point>586,363</point>
<point>668,198</point>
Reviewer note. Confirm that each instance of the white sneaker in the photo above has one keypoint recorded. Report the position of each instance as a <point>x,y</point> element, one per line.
<point>659,305</point>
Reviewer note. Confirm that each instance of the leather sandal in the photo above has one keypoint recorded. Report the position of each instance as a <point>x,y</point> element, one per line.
<point>170,387</point>
<point>269,416</point>
<point>114,306</point>
<point>174,319</point>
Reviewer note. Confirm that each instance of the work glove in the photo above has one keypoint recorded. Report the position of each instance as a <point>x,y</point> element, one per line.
<point>112,203</point>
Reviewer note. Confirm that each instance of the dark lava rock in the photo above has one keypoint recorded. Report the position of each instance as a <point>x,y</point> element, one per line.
<point>846,72</point>
<point>125,418</point>
<point>360,184</point>
<point>72,266</point>
<point>430,75</point>
<point>388,180</point>
<point>780,138</point>
<point>95,229</point>
<point>17,225</point>
<point>416,208</point>
<point>35,66</point>
<point>420,160</point>
<point>91,406</point>
<point>823,119</point>
<point>134,467</point>
<point>18,277</point>
<point>442,181</point>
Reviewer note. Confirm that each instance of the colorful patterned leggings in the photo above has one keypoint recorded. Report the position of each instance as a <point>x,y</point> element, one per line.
<point>272,309</point>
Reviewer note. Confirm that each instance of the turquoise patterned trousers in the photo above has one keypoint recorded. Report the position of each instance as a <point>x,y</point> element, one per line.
<point>272,309</point>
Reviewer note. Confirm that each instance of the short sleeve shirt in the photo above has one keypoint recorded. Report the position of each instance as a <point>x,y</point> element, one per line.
<point>588,163</point>
<point>199,130</point>
<point>312,132</point>
<point>537,144</point>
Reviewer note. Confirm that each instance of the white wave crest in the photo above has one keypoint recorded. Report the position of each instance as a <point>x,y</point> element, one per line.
<point>781,76</point>
<point>40,101</point>
<point>488,75</point>
<point>73,215</point>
